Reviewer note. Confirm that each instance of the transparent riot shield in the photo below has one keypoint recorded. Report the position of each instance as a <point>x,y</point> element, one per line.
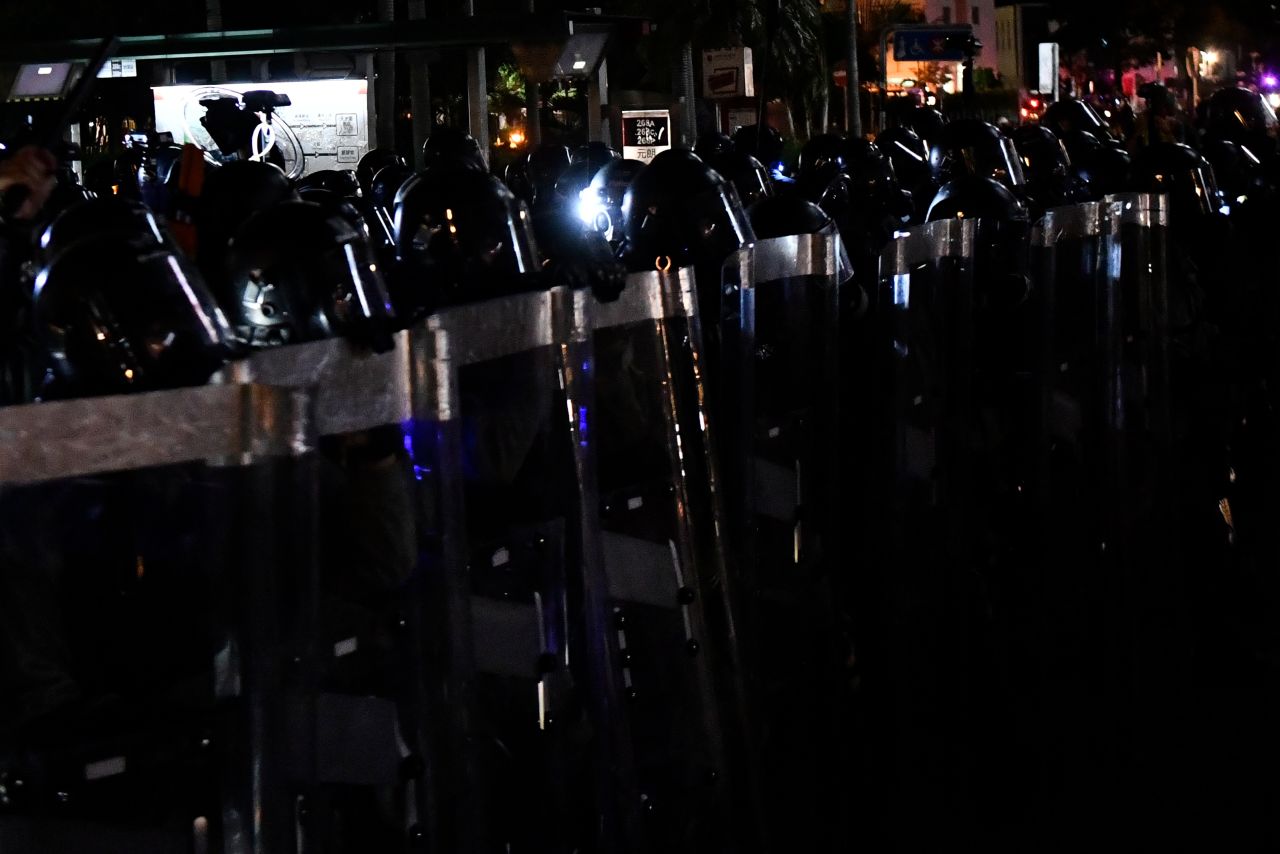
<point>1104,426</point>
<point>782,460</point>
<point>927,300</point>
<point>1108,566</point>
<point>1069,267</point>
<point>357,710</point>
<point>500,427</point>
<point>1136,345</point>
<point>1153,551</point>
<point>1073,502</point>
<point>919,670</point>
<point>672,643</point>
<point>147,549</point>
<point>785,372</point>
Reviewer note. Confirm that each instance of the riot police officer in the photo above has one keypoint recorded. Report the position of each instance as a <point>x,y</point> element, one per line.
<point>1241,116</point>
<point>461,236</point>
<point>1102,169</point>
<point>974,148</point>
<point>543,168</point>
<point>1074,116</point>
<point>374,162</point>
<point>117,314</point>
<point>231,194</point>
<point>710,145</point>
<point>297,272</point>
<point>747,174</point>
<point>601,205</point>
<point>764,143</point>
<point>453,148</point>
<point>1051,180</point>
<point>678,211</point>
<point>909,155</point>
<point>380,201</point>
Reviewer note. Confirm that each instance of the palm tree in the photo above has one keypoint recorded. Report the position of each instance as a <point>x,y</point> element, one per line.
<point>793,64</point>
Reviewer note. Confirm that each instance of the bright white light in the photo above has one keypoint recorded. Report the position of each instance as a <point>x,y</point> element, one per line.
<point>1210,57</point>
<point>589,207</point>
<point>44,69</point>
<point>1274,100</point>
<point>579,65</point>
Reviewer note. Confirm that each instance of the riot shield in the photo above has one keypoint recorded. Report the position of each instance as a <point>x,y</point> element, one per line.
<point>1105,419</point>
<point>1137,344</point>
<point>1075,473</point>
<point>146,550</point>
<point>919,672</point>
<point>498,440</point>
<point>782,364</point>
<point>1109,565</point>
<point>1155,548</point>
<point>357,712</point>
<point>782,458</point>
<point>673,641</point>
<point>1069,266</point>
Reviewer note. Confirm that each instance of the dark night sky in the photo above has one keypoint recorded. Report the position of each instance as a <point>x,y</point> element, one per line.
<point>1250,22</point>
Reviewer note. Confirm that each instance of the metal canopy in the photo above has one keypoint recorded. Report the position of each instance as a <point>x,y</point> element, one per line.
<point>438,33</point>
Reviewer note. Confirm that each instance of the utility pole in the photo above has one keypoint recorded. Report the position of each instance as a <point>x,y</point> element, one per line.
<point>532,104</point>
<point>853,87</point>
<point>477,92</point>
<point>384,86</point>
<point>423,115</point>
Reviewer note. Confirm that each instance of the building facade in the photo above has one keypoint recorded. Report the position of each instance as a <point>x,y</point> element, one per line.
<point>980,13</point>
<point>1020,28</point>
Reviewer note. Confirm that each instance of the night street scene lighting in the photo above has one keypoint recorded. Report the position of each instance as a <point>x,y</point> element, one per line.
<point>745,427</point>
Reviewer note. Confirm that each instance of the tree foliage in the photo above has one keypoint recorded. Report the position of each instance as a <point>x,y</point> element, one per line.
<point>797,70</point>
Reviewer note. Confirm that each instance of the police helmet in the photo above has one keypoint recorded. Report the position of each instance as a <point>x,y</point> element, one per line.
<point>746,173</point>
<point>1181,172</point>
<point>297,272</point>
<point>374,162</point>
<point>975,148</point>
<point>711,145</point>
<point>464,236</point>
<point>680,212</point>
<point>600,206</point>
<point>453,148</point>
<point>113,316</point>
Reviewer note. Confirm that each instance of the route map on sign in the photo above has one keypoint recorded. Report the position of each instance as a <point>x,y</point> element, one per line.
<point>929,45</point>
<point>327,124</point>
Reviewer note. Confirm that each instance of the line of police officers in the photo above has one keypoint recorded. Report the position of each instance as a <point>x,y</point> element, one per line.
<point>977,549</point>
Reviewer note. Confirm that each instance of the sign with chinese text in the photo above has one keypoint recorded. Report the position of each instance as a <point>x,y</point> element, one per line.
<point>326,127</point>
<point>119,68</point>
<point>645,133</point>
<point>727,73</point>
